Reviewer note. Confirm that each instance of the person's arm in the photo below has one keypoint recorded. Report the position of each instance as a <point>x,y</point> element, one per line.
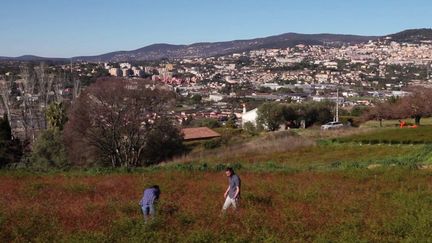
<point>237,192</point>
<point>226,192</point>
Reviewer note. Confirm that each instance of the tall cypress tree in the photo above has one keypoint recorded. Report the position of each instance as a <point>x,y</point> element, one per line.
<point>10,150</point>
<point>5,129</point>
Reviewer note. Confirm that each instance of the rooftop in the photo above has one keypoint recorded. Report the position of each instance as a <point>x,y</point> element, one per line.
<point>199,133</point>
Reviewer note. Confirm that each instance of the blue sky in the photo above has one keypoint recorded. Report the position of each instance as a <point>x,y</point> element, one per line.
<point>65,28</point>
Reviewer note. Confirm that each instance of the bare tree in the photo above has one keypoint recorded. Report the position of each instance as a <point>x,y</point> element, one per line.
<point>416,105</point>
<point>76,89</point>
<point>45,81</point>
<point>28,85</point>
<point>381,111</point>
<point>116,117</point>
<point>58,85</point>
<point>5,95</point>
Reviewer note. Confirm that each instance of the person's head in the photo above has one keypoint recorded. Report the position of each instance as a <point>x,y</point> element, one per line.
<point>156,187</point>
<point>229,171</point>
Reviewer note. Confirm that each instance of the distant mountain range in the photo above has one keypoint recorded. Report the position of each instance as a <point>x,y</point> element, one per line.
<point>158,51</point>
<point>206,49</point>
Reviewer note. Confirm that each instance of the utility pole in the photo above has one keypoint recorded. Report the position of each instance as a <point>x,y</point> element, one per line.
<point>337,105</point>
<point>428,71</point>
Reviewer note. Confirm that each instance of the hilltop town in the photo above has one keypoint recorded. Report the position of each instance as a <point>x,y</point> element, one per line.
<point>224,86</point>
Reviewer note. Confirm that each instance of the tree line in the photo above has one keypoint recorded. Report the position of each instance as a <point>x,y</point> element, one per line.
<point>272,115</point>
<point>129,123</point>
<point>417,104</point>
<point>113,122</point>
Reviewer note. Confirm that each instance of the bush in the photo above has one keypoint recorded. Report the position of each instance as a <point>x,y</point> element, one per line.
<point>212,144</point>
<point>206,122</point>
<point>49,151</point>
<point>250,129</point>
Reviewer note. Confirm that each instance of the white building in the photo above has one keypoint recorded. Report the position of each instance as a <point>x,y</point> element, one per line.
<point>138,73</point>
<point>249,116</point>
<point>127,72</point>
<point>400,93</point>
<point>116,72</point>
<point>125,65</point>
<point>216,97</point>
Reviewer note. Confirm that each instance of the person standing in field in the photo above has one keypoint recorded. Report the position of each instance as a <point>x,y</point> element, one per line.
<point>232,193</point>
<point>150,197</point>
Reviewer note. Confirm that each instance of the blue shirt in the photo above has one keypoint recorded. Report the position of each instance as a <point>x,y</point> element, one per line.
<point>234,182</point>
<point>149,197</point>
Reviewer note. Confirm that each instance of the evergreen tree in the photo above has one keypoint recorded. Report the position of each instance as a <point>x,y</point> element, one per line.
<point>10,149</point>
<point>5,129</point>
<point>49,149</point>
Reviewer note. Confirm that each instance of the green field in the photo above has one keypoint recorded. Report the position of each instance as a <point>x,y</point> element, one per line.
<point>296,188</point>
<point>316,158</point>
<point>420,135</point>
<point>395,123</point>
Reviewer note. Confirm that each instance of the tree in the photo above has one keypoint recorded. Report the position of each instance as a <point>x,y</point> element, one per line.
<point>10,148</point>
<point>358,110</point>
<point>232,121</point>
<point>290,115</point>
<point>5,129</point>
<point>314,112</point>
<point>163,142</point>
<point>5,95</point>
<point>416,105</point>
<point>380,111</point>
<point>56,116</point>
<point>206,122</point>
<point>48,149</point>
<point>196,99</point>
<point>270,116</point>
<point>114,122</point>
<point>28,87</point>
<point>45,82</point>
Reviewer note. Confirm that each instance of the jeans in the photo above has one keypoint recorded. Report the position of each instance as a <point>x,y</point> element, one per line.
<point>230,202</point>
<point>148,210</point>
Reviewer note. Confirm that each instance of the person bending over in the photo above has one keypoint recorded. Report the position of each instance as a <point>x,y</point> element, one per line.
<point>147,203</point>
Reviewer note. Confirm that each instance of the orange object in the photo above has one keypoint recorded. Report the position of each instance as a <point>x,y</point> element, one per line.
<point>402,124</point>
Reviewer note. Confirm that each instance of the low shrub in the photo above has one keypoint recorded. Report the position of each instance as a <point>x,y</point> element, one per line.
<point>212,144</point>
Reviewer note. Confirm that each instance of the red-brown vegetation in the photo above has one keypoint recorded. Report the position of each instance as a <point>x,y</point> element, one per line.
<point>303,206</point>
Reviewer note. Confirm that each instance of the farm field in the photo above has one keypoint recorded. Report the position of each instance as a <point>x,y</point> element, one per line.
<point>294,189</point>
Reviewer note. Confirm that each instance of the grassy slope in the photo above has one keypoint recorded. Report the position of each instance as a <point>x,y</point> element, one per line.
<point>292,191</point>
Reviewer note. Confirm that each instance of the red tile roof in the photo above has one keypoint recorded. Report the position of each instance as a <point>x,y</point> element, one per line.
<point>199,133</point>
